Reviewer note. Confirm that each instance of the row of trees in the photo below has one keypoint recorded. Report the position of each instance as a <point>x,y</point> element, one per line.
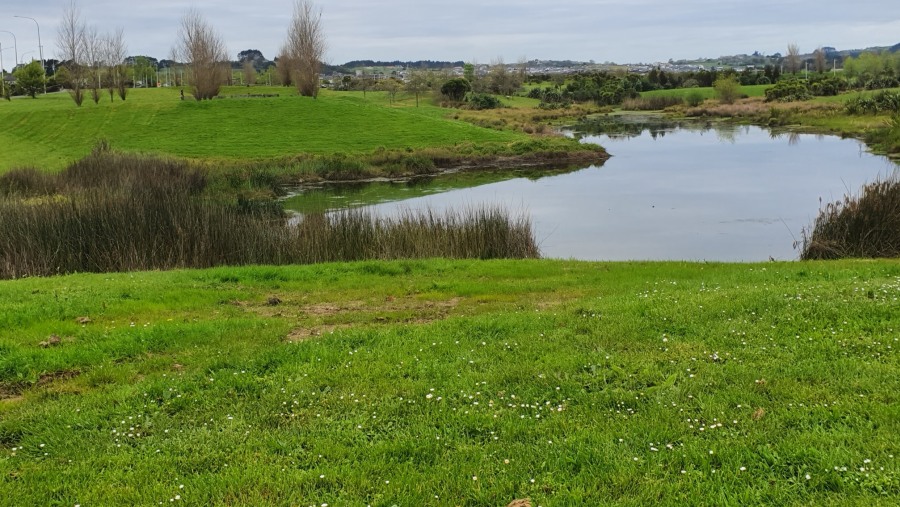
<point>90,60</point>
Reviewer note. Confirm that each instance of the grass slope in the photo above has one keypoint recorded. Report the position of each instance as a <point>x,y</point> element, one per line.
<point>50,131</point>
<point>454,383</point>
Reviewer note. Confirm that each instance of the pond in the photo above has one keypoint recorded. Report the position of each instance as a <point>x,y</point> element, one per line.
<point>671,191</point>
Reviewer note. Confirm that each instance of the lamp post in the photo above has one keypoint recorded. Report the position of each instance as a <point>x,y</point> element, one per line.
<point>15,46</point>
<point>23,57</point>
<point>40,48</point>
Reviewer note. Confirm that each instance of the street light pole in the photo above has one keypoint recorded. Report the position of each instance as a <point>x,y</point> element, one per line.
<point>15,46</point>
<point>40,48</point>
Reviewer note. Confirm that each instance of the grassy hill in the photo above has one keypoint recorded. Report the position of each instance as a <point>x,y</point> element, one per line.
<point>50,131</point>
<point>454,383</point>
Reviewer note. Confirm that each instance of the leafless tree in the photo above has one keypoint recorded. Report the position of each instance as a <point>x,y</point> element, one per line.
<point>418,82</point>
<point>819,55</point>
<point>70,40</point>
<point>283,67</point>
<point>305,47</point>
<point>793,58</point>
<point>94,59</point>
<point>202,49</point>
<point>249,73</point>
<point>116,52</point>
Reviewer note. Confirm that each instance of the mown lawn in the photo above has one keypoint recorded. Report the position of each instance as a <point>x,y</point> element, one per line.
<point>454,383</point>
<point>50,131</point>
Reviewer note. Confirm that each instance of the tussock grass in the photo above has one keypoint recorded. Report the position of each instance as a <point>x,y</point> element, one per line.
<point>864,225</point>
<point>113,212</point>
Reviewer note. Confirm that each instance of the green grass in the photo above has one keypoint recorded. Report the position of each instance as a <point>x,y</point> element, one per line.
<point>49,132</point>
<point>455,383</point>
<point>707,92</point>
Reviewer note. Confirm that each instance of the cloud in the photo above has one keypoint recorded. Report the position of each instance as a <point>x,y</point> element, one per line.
<point>601,30</point>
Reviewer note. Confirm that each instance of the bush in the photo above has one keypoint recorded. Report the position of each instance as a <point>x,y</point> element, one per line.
<point>881,102</point>
<point>484,101</point>
<point>456,89</point>
<point>694,98</point>
<point>727,89</point>
<point>653,103</point>
<point>788,90</point>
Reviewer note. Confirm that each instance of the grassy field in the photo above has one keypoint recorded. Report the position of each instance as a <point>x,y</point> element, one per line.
<point>454,383</point>
<point>50,131</point>
<point>707,92</point>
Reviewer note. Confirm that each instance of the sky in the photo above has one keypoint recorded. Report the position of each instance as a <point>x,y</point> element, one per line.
<point>482,31</point>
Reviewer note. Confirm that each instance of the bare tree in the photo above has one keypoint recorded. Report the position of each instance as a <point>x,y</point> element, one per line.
<point>418,82</point>
<point>249,73</point>
<point>283,67</point>
<point>819,55</point>
<point>305,47</point>
<point>93,55</point>
<point>116,52</point>
<point>70,37</point>
<point>793,58</point>
<point>202,49</point>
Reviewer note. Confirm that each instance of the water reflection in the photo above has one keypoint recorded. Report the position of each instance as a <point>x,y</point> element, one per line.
<point>671,191</point>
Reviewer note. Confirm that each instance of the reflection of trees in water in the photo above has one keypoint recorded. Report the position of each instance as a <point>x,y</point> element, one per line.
<point>793,138</point>
<point>626,127</point>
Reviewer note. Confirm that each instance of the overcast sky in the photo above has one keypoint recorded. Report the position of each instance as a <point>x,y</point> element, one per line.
<point>623,31</point>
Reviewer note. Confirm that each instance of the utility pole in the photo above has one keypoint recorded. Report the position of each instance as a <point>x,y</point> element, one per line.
<point>40,48</point>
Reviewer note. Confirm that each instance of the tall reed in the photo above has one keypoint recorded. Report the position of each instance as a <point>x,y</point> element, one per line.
<point>120,213</point>
<point>865,225</point>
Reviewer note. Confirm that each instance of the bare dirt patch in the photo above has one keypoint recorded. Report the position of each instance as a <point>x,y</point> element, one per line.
<point>308,333</point>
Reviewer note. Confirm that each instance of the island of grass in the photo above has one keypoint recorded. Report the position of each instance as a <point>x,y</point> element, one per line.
<point>349,135</point>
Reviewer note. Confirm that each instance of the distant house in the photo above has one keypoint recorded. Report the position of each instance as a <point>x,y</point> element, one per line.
<point>9,79</point>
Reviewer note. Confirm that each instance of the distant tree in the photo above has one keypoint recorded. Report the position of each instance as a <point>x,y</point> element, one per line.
<point>93,52</point>
<point>116,50</point>
<point>792,61</point>
<point>203,50</point>
<point>469,72</point>
<point>70,41</point>
<point>727,89</point>
<point>30,78</point>
<point>390,86</point>
<point>417,82</point>
<point>249,73</point>
<point>456,89</point>
<point>819,57</point>
<point>305,47</point>
<point>253,55</point>
<point>283,67</point>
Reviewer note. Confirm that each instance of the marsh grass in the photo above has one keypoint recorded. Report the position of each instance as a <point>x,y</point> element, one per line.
<point>652,102</point>
<point>864,225</point>
<point>114,212</point>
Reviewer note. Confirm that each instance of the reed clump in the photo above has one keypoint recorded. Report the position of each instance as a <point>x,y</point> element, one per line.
<point>865,225</point>
<point>113,212</point>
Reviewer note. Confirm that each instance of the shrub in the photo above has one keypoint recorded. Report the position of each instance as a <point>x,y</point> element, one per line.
<point>727,89</point>
<point>881,102</point>
<point>456,89</point>
<point>694,98</point>
<point>788,90</point>
<point>484,101</point>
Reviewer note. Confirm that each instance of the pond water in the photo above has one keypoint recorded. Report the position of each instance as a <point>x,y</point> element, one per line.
<point>671,191</point>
